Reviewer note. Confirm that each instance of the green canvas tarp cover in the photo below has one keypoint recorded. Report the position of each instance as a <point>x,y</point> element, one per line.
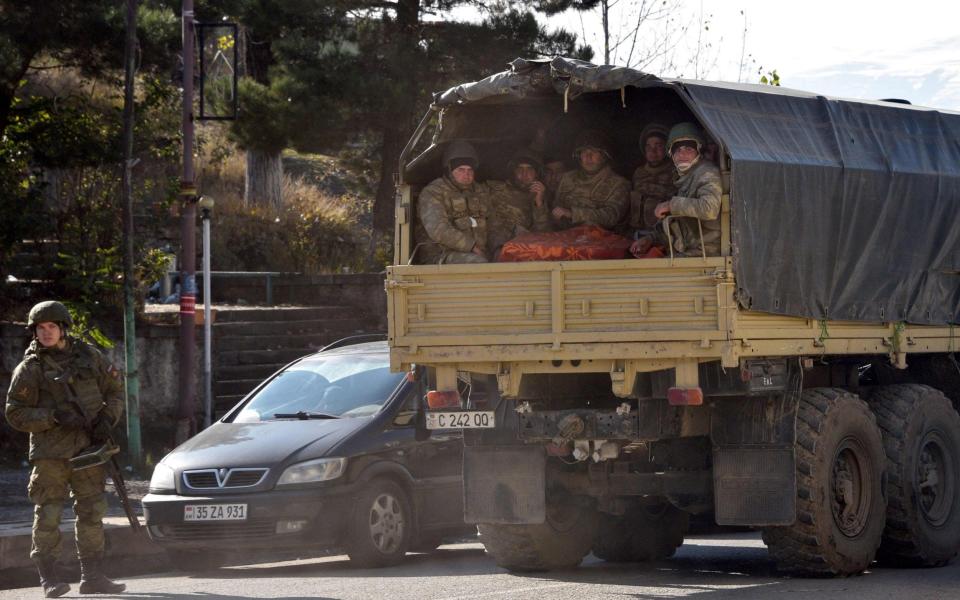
<point>840,209</point>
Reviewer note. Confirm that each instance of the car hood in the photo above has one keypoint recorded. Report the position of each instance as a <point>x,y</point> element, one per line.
<point>263,444</point>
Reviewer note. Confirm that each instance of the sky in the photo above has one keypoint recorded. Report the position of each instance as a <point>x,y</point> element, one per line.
<point>846,48</point>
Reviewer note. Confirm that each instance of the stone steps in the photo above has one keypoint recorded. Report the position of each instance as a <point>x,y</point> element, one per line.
<point>250,344</point>
<point>309,342</point>
<point>277,356</point>
<point>224,403</point>
<point>347,321</point>
<point>235,387</point>
<point>258,372</point>
<point>286,313</point>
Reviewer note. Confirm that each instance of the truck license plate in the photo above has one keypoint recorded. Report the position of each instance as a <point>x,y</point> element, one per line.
<point>215,512</point>
<point>460,419</point>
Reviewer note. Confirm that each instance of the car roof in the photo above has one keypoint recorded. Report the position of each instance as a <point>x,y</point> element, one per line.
<point>377,347</point>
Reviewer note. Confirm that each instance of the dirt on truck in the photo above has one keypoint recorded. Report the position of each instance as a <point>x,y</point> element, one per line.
<point>802,382</point>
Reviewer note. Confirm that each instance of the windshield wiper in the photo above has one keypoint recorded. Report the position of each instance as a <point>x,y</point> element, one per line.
<point>303,415</point>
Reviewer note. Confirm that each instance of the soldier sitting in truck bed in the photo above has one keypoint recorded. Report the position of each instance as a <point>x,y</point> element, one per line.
<point>697,199</point>
<point>653,181</point>
<point>520,203</point>
<point>453,210</point>
<point>593,194</point>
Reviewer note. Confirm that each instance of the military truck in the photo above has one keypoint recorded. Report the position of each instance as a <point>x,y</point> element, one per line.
<point>803,382</point>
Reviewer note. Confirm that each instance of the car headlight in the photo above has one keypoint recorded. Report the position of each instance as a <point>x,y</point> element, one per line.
<point>163,479</point>
<point>322,469</point>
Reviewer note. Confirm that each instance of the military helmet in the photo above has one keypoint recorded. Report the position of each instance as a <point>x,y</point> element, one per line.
<point>682,132</point>
<point>526,156</point>
<point>593,138</point>
<point>49,311</point>
<point>462,152</point>
<point>657,129</point>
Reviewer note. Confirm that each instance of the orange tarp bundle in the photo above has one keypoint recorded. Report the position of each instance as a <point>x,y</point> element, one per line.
<point>585,242</point>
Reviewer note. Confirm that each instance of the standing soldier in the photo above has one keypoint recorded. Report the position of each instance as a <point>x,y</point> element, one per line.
<point>696,203</point>
<point>453,210</point>
<point>518,204</point>
<point>67,396</point>
<point>593,194</point>
<point>653,181</point>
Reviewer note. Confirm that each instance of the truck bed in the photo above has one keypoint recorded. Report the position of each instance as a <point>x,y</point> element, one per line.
<point>650,312</point>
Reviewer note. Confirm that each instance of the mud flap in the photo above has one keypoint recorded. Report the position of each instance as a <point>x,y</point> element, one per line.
<point>754,486</point>
<point>754,461</point>
<point>504,484</point>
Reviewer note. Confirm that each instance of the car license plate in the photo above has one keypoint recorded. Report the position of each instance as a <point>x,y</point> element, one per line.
<point>460,419</point>
<point>215,512</point>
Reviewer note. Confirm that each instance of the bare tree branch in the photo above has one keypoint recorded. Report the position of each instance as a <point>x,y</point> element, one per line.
<point>743,47</point>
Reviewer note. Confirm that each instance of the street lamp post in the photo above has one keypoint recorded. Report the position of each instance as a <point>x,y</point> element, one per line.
<point>206,207</point>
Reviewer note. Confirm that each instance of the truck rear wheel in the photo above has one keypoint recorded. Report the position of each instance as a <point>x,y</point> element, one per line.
<point>560,542</point>
<point>921,435</point>
<point>840,504</point>
<point>644,533</point>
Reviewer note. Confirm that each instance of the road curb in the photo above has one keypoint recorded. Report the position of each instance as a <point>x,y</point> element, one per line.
<point>123,547</point>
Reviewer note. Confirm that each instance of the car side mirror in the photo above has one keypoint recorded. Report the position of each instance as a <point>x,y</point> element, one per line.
<point>421,432</point>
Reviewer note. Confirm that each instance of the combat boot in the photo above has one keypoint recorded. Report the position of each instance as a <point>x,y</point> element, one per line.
<point>53,587</point>
<point>93,581</point>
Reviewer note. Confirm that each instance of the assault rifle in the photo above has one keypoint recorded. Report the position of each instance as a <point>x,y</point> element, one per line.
<point>107,455</point>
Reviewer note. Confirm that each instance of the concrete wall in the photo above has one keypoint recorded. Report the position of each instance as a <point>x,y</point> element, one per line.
<point>158,360</point>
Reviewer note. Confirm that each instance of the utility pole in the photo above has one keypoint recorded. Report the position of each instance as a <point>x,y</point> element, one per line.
<point>186,408</point>
<point>129,321</point>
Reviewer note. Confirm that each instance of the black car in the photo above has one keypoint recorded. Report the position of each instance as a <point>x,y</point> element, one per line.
<point>330,452</point>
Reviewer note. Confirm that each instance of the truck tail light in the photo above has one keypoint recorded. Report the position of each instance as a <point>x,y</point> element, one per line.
<point>437,399</point>
<point>677,396</point>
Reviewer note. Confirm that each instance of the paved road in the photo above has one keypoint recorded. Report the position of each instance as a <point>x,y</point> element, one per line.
<point>717,567</point>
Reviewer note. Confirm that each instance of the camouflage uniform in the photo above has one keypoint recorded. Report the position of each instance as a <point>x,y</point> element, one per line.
<point>454,218</point>
<point>513,208</point>
<point>33,397</point>
<point>698,197</point>
<point>651,186</point>
<point>599,199</point>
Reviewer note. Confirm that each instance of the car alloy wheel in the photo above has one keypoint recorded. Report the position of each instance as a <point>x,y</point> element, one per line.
<point>387,523</point>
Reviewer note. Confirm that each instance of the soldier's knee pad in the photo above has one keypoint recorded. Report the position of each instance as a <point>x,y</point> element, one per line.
<point>47,516</point>
<point>90,509</point>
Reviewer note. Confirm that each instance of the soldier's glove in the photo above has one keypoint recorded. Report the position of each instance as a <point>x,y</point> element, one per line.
<point>102,429</point>
<point>69,418</point>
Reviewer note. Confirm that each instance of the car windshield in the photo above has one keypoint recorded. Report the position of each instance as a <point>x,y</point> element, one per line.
<point>325,387</point>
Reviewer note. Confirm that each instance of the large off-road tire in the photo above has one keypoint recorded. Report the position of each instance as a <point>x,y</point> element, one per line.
<point>560,542</point>
<point>381,525</point>
<point>645,532</point>
<point>921,436</point>
<point>840,505</point>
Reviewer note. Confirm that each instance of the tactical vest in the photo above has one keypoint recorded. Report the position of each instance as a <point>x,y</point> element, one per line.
<point>73,383</point>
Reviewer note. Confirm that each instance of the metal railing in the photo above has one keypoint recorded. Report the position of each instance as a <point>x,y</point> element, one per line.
<point>267,276</point>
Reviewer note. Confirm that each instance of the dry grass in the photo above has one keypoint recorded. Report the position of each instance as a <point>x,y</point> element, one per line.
<point>222,172</point>
<point>312,232</point>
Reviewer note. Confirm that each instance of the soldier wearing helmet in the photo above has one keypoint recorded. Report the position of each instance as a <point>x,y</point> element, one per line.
<point>518,204</point>
<point>697,198</point>
<point>453,210</point>
<point>67,396</point>
<point>593,194</point>
<point>653,181</point>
